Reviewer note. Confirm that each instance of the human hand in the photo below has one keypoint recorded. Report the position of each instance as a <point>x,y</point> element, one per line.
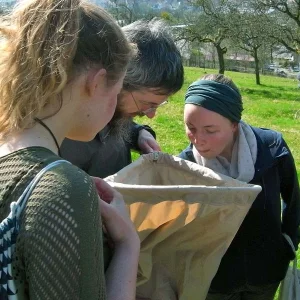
<point>115,216</point>
<point>147,143</point>
<point>118,225</point>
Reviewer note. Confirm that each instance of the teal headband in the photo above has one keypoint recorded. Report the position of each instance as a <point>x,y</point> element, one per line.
<point>217,97</point>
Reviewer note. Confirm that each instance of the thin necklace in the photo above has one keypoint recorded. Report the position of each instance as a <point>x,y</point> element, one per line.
<point>49,130</point>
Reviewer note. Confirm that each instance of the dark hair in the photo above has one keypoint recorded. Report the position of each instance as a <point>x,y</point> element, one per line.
<point>44,44</point>
<point>158,63</point>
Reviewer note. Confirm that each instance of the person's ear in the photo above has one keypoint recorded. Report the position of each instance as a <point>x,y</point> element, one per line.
<point>96,80</point>
<point>235,126</point>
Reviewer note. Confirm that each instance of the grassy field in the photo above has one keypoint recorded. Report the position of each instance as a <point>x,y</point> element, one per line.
<point>274,104</point>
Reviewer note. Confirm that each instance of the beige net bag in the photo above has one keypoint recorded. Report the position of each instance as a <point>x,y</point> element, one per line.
<point>186,216</point>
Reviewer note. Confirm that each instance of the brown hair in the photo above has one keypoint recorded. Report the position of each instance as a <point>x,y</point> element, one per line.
<point>222,79</point>
<point>44,43</point>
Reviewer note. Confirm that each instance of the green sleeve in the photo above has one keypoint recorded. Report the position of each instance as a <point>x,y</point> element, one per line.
<point>62,238</point>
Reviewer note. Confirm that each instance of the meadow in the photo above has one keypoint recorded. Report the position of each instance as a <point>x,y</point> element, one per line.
<point>274,104</point>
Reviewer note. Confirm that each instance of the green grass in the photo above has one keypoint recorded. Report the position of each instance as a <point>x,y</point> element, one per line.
<point>274,104</point>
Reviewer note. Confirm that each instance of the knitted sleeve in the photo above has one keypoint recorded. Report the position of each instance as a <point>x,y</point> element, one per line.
<point>60,247</point>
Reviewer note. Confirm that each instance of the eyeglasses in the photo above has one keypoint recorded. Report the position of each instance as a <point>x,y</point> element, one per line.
<point>153,107</point>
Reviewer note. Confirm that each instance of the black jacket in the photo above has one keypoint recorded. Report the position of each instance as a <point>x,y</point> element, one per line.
<point>104,155</point>
<point>259,254</point>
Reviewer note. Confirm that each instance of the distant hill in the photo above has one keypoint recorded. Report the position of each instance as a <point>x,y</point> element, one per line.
<point>153,3</point>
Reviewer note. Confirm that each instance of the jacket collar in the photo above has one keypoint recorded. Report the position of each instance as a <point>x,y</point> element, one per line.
<point>269,147</point>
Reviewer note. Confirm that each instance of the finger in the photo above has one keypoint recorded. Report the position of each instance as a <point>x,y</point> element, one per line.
<point>146,148</point>
<point>154,145</point>
<point>114,222</point>
<point>119,205</point>
<point>108,213</point>
<point>105,191</point>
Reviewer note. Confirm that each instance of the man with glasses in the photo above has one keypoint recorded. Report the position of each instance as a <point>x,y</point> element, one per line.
<point>153,74</point>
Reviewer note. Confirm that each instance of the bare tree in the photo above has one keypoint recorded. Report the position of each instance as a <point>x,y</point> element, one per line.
<point>208,24</point>
<point>285,17</point>
<point>251,31</point>
<point>128,11</point>
<point>123,10</point>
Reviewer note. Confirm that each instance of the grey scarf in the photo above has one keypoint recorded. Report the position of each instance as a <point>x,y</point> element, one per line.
<point>243,157</point>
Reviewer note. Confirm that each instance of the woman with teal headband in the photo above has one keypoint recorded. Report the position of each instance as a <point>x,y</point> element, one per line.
<point>258,257</point>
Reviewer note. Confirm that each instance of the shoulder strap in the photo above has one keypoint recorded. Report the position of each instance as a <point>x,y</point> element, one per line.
<point>292,246</point>
<point>17,207</point>
<point>9,229</point>
<point>289,241</point>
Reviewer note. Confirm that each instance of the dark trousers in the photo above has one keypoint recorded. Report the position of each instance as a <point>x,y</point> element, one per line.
<point>247,292</point>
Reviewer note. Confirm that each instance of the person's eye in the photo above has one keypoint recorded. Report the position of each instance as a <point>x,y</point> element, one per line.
<point>209,131</point>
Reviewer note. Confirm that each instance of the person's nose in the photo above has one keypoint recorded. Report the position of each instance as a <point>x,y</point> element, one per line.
<point>199,139</point>
<point>151,114</point>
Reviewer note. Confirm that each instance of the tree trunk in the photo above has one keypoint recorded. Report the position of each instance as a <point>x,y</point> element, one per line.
<point>220,58</point>
<point>256,60</point>
<point>271,56</point>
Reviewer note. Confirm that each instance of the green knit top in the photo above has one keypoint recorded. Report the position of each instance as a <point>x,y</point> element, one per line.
<point>59,249</point>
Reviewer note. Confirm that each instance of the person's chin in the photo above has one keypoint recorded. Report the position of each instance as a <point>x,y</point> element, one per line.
<point>206,154</point>
<point>132,115</point>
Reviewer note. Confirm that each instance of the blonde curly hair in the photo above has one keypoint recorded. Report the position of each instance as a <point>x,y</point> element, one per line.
<point>44,44</point>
